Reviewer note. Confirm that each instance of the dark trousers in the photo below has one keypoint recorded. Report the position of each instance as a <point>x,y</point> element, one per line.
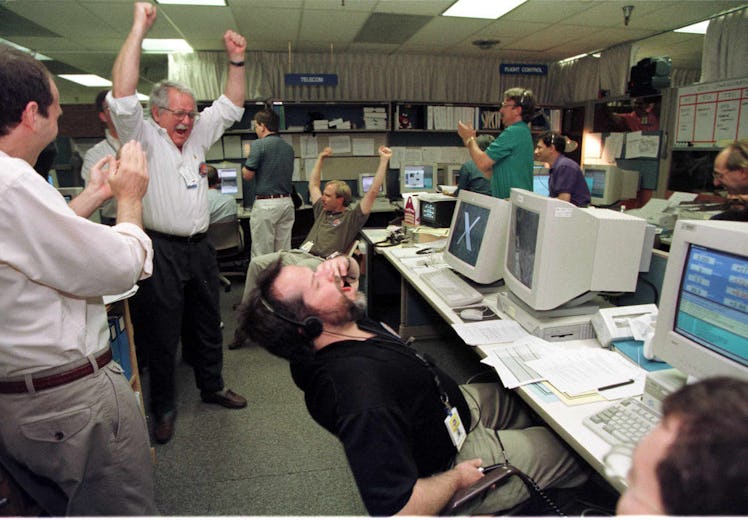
<point>180,299</point>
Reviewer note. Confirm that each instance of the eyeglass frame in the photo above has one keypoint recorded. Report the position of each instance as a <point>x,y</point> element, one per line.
<point>180,114</point>
<point>505,104</point>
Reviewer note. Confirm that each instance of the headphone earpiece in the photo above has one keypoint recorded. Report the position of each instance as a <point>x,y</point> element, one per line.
<point>311,328</point>
<point>523,102</point>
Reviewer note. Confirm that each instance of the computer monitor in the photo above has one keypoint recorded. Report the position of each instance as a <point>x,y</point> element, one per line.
<point>231,179</point>
<point>541,184</point>
<point>561,255</point>
<point>607,180</point>
<point>451,174</point>
<point>476,243</point>
<point>702,323</point>
<point>416,177</point>
<point>364,183</point>
<point>539,168</point>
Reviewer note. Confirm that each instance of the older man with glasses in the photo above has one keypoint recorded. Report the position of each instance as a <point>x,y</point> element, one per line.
<point>181,299</point>
<point>731,172</point>
<point>508,160</point>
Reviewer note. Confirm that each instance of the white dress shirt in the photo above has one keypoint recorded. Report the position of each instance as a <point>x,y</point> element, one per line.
<point>54,268</point>
<point>177,199</point>
<point>109,146</point>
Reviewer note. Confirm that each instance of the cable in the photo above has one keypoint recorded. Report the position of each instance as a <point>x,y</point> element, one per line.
<point>529,482</point>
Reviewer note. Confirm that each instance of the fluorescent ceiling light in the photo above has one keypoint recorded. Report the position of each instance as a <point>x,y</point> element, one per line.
<point>38,55</point>
<point>573,58</point>
<point>694,28</point>
<point>221,3</point>
<point>165,45</point>
<point>87,80</point>
<point>481,8</point>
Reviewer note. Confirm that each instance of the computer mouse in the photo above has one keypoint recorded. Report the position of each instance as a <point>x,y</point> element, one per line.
<point>471,314</point>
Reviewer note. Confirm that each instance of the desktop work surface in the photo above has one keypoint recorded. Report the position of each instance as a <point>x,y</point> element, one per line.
<point>423,313</point>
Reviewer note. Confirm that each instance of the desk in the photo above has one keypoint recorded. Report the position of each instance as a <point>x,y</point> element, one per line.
<point>416,299</point>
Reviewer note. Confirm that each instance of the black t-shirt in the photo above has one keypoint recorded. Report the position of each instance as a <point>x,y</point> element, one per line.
<point>383,404</point>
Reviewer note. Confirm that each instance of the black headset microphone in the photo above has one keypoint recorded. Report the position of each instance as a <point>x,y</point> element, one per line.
<point>311,327</point>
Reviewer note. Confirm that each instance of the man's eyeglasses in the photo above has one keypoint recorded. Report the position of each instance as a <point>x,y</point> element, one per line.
<point>181,114</point>
<point>510,105</point>
<point>718,175</point>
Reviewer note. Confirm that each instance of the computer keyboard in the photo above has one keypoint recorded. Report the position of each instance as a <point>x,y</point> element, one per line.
<point>626,421</point>
<point>455,291</point>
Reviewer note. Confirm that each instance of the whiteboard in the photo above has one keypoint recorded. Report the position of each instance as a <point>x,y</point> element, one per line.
<point>712,114</point>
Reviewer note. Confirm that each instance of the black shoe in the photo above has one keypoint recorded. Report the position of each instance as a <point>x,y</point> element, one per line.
<point>237,342</point>
<point>164,429</point>
<point>226,398</point>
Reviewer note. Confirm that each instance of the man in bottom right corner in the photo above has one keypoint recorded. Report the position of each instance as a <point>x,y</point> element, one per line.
<point>731,172</point>
<point>693,462</point>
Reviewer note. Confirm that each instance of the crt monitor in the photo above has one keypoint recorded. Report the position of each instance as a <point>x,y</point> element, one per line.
<point>451,174</point>
<point>702,323</point>
<point>606,181</point>
<point>416,177</point>
<point>476,243</point>
<point>560,255</point>
<point>364,183</point>
<point>231,179</point>
<point>541,184</point>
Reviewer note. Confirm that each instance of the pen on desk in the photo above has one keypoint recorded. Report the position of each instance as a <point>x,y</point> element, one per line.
<point>610,387</point>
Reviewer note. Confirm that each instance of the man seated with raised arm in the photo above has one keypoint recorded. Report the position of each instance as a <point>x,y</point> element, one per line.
<point>693,462</point>
<point>413,437</point>
<point>337,222</point>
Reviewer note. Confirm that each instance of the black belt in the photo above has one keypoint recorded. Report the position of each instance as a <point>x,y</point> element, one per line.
<point>197,237</point>
<point>51,381</point>
<point>273,196</point>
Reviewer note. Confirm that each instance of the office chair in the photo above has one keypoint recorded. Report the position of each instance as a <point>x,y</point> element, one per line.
<point>228,240</point>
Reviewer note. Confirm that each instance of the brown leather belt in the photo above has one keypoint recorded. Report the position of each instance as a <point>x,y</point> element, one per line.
<point>273,196</point>
<point>54,380</point>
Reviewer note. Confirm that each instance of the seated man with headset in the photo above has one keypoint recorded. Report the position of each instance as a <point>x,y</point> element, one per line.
<point>337,222</point>
<point>413,437</point>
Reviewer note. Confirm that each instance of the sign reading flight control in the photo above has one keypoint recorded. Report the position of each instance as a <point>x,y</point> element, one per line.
<point>530,69</point>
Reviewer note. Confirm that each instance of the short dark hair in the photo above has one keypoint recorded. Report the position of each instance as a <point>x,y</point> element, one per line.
<point>268,118</point>
<point>704,471</point>
<point>22,79</point>
<point>212,174</point>
<point>556,140</point>
<point>264,326</point>
<point>100,99</point>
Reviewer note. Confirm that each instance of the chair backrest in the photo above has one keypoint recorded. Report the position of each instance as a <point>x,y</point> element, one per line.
<point>225,234</point>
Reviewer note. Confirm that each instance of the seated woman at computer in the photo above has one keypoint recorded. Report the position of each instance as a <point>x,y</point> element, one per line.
<point>471,178</point>
<point>566,177</point>
<point>337,222</point>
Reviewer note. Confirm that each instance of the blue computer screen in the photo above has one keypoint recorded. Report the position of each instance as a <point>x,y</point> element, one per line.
<point>595,181</point>
<point>541,184</point>
<point>713,302</point>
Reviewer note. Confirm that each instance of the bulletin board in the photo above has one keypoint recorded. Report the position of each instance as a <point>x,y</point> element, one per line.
<point>712,114</point>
